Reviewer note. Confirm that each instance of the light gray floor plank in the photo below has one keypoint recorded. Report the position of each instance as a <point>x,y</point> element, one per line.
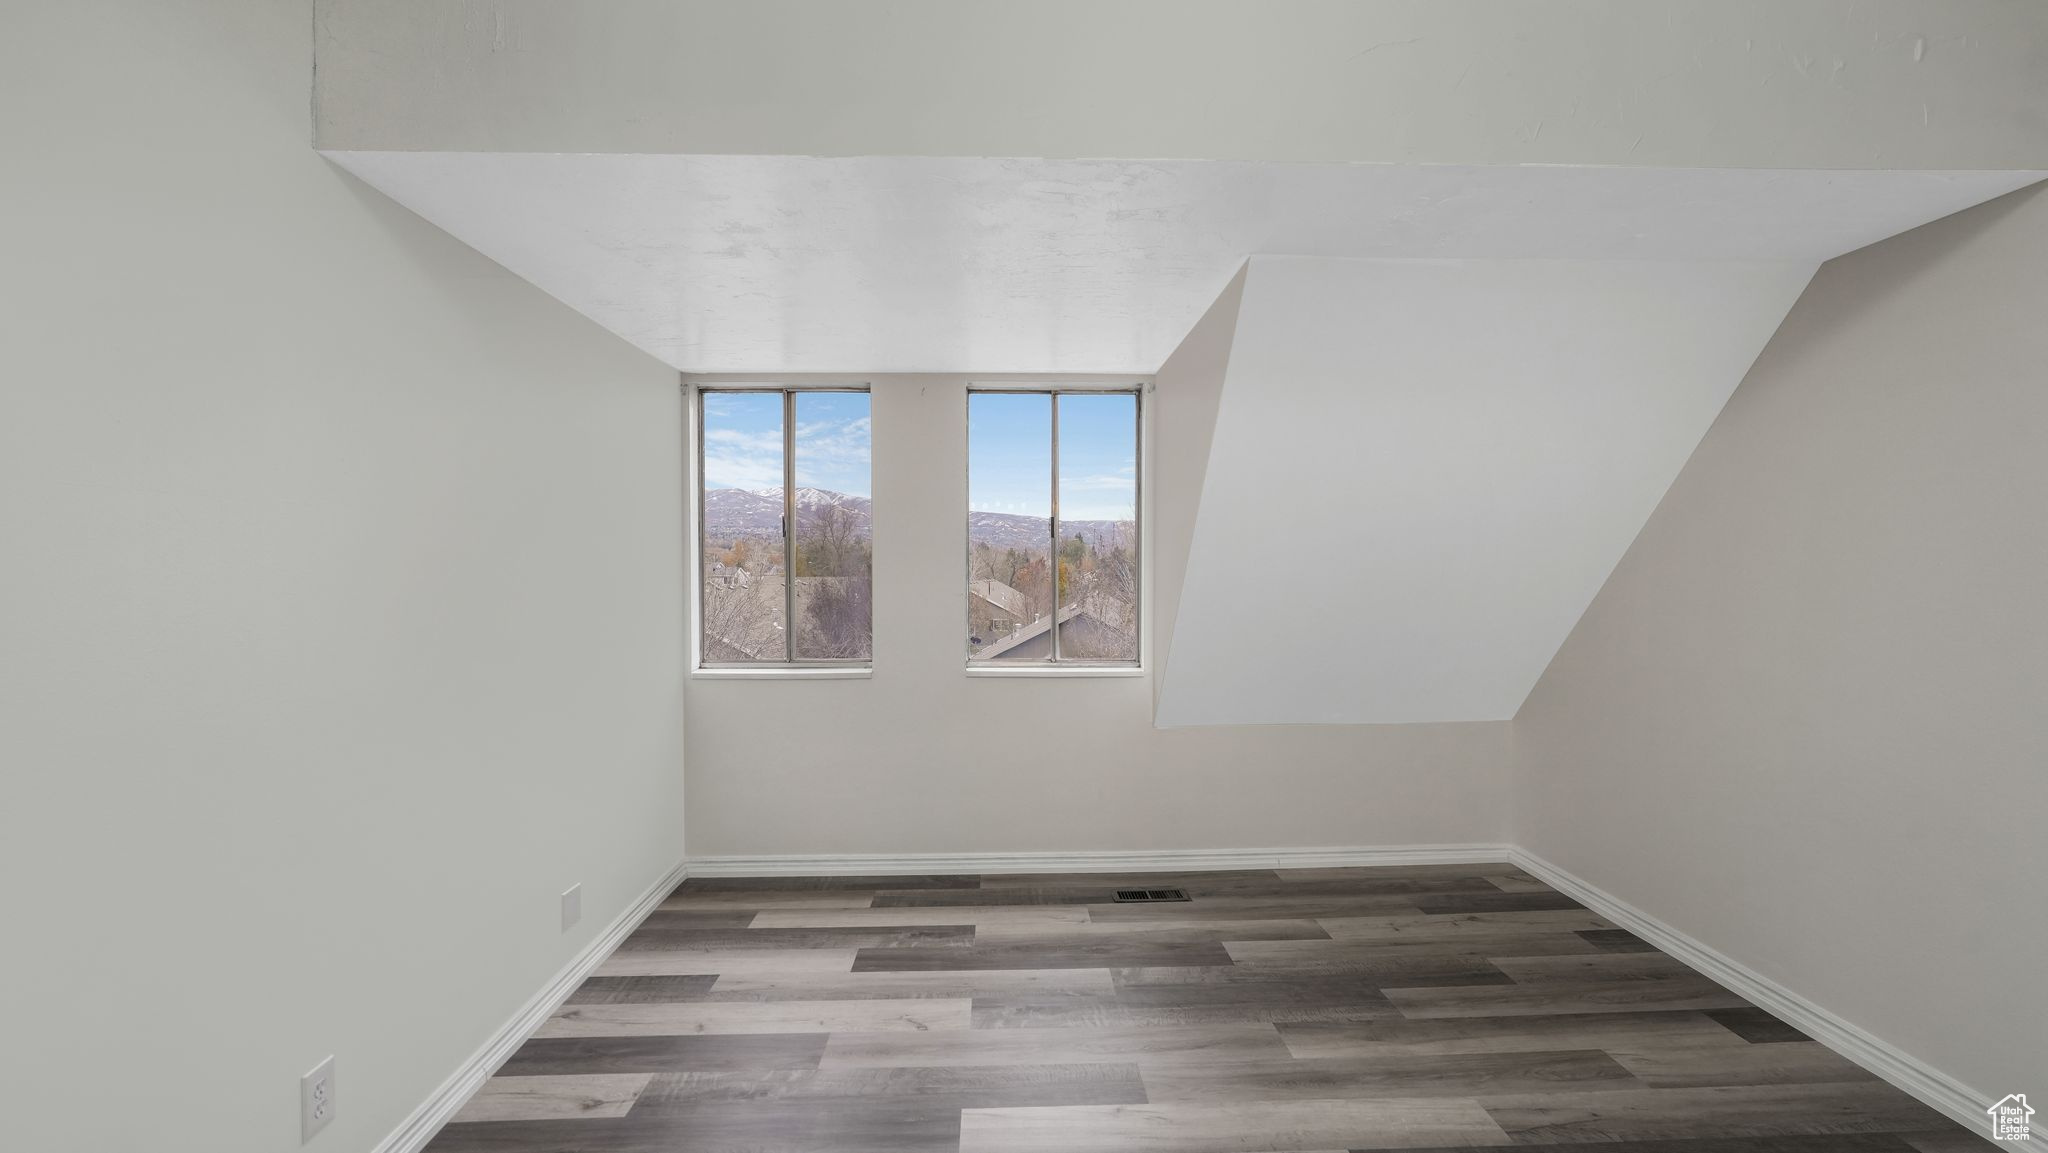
<point>765,899</point>
<point>919,1087</point>
<point>1180,1045</point>
<point>1299,928</point>
<point>1042,917</point>
<point>554,1098</point>
<point>684,962</point>
<point>1473,945</point>
<point>1679,1066</point>
<point>688,1018</point>
<point>1452,925</point>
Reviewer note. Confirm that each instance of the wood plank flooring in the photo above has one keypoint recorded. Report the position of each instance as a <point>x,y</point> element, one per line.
<point>1437,1008</point>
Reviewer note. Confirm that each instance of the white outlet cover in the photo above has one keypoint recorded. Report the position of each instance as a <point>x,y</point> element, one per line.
<point>316,1099</point>
<point>572,907</point>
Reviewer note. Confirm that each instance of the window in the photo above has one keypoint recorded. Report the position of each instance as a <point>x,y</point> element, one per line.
<point>786,492</point>
<point>1052,527</point>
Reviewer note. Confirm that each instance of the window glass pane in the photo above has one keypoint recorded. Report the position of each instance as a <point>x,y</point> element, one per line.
<point>743,570</point>
<point>1098,527</point>
<point>1009,502</point>
<point>834,551</point>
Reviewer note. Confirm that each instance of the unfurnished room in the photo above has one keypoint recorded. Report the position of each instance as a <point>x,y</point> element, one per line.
<point>1024,576</point>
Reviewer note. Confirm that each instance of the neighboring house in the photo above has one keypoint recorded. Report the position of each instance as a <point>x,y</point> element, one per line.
<point>1081,632</point>
<point>728,576</point>
<point>995,610</point>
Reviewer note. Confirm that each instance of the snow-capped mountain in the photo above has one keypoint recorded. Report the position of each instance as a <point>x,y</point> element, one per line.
<point>731,513</point>
<point>739,512</point>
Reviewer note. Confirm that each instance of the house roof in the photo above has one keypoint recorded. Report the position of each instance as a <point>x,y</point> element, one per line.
<point>1001,596</point>
<point>1027,634</point>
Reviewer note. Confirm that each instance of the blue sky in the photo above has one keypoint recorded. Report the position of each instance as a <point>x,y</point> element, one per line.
<point>743,441</point>
<point>1009,453</point>
<point>1009,445</point>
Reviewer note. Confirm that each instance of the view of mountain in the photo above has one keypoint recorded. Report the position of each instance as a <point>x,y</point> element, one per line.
<point>732,513</point>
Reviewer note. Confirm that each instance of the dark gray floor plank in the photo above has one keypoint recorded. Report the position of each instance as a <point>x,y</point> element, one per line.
<point>632,990</point>
<point>1617,941</point>
<point>822,1126</point>
<point>1727,1111</point>
<point>734,918</point>
<point>1254,908</point>
<point>1793,1143</point>
<point>918,1087</point>
<point>1755,1025</point>
<point>908,936</point>
<point>728,884</point>
<point>556,1055</point>
<point>1168,1005</point>
<point>1526,1034</point>
<point>1459,1075</point>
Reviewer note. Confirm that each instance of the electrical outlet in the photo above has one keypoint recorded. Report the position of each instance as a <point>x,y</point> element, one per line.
<point>316,1100</point>
<point>572,907</point>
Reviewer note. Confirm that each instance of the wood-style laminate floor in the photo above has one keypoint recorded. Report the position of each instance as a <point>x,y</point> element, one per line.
<point>1297,1011</point>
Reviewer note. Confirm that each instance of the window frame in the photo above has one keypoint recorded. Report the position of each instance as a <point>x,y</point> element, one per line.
<point>791,665</point>
<point>1053,665</point>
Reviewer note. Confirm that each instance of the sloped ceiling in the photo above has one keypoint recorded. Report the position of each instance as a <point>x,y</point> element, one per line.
<point>1423,471</point>
<point>962,264</point>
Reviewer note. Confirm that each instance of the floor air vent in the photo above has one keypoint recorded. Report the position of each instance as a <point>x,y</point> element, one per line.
<point>1150,895</point>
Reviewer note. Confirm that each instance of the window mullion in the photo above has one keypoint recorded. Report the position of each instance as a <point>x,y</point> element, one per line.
<point>789,527</point>
<point>1053,556</point>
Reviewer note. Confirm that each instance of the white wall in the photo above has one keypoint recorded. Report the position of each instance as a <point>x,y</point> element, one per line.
<point>340,610</point>
<point>1423,470</point>
<point>1804,720</point>
<point>1683,83</point>
<point>923,758</point>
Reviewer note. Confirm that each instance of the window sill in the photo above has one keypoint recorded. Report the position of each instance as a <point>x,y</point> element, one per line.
<point>1055,671</point>
<point>786,673</point>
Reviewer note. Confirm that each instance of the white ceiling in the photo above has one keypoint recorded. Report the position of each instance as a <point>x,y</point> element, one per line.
<point>901,264</point>
<point>1423,471</point>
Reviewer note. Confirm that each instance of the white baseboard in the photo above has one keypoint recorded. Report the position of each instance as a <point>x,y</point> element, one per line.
<point>1931,1086</point>
<point>897,864</point>
<point>427,1120</point>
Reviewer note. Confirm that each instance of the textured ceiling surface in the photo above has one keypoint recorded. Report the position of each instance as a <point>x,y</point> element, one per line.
<point>897,264</point>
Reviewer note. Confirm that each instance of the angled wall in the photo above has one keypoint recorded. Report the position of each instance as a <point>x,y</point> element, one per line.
<point>1422,471</point>
<point>1183,429</point>
<point>339,617</point>
<point>1803,722</point>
